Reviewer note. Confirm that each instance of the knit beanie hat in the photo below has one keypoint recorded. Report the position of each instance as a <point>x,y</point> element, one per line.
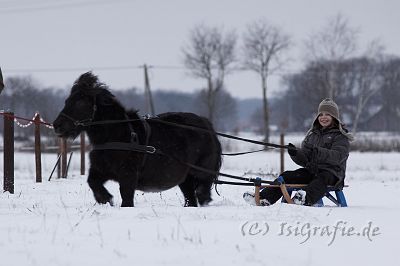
<point>329,106</point>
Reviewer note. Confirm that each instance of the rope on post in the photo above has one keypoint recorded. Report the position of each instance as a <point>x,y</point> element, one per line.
<point>9,120</point>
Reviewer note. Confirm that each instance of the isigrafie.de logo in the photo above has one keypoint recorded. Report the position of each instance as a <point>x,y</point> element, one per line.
<point>306,230</point>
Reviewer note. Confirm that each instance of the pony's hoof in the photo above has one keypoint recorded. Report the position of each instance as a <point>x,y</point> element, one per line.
<point>111,202</point>
<point>127,204</point>
<point>104,199</point>
<point>189,203</point>
<point>205,203</point>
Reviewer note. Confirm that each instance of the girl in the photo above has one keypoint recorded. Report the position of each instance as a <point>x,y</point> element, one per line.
<point>323,156</point>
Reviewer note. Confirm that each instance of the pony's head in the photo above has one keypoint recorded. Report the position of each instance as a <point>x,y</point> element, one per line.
<point>86,95</point>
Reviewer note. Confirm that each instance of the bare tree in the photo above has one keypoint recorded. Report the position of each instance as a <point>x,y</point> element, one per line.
<point>263,48</point>
<point>335,42</point>
<point>368,79</point>
<point>20,88</point>
<point>307,87</point>
<point>209,55</point>
<point>305,91</point>
<point>24,96</point>
<point>225,116</point>
<point>389,113</point>
<point>367,82</point>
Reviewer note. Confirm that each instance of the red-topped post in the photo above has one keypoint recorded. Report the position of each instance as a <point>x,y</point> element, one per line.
<point>38,152</point>
<point>8,183</point>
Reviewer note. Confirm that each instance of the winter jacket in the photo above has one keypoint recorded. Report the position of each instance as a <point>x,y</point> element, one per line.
<point>324,149</point>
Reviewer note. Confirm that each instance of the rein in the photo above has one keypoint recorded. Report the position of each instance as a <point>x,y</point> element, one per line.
<point>255,181</point>
<point>135,147</point>
<point>104,122</point>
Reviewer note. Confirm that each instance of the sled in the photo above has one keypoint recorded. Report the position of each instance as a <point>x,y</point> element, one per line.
<point>339,199</point>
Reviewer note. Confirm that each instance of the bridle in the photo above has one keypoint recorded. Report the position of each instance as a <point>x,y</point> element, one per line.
<point>83,122</point>
<point>133,145</point>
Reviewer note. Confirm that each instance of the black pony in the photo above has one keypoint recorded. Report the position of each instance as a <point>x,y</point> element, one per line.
<point>123,151</point>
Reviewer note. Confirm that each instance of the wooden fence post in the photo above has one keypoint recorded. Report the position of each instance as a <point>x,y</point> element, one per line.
<point>63,158</point>
<point>282,152</point>
<point>38,152</point>
<point>58,162</point>
<point>8,183</point>
<point>83,148</point>
<point>59,154</point>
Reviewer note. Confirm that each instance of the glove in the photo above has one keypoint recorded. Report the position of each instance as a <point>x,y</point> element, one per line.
<point>292,150</point>
<point>308,146</point>
<point>312,168</point>
<point>308,149</point>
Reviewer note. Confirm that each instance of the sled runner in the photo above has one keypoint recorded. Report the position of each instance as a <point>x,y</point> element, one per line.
<point>339,199</point>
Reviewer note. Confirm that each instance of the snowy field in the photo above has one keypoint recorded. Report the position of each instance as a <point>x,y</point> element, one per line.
<point>59,223</point>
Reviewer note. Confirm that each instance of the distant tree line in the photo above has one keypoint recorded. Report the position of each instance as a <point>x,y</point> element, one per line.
<point>24,97</point>
<point>367,91</point>
<point>365,84</point>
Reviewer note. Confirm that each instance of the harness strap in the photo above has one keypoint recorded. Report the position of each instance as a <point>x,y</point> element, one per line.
<point>151,150</point>
<point>147,133</point>
<point>220,134</point>
<point>134,137</point>
<point>208,171</point>
<point>93,123</point>
<point>242,153</point>
<point>233,183</point>
<point>124,147</point>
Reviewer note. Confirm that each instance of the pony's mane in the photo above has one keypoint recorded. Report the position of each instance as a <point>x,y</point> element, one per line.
<point>133,113</point>
<point>89,83</point>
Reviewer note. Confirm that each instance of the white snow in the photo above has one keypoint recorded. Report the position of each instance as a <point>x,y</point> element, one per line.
<point>59,223</point>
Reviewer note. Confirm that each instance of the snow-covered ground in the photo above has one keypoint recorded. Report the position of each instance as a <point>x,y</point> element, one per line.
<point>59,223</point>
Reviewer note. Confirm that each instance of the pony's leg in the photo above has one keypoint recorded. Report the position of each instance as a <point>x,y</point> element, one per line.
<point>96,183</point>
<point>127,190</point>
<point>188,189</point>
<point>203,191</point>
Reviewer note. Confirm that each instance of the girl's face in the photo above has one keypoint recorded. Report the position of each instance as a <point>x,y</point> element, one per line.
<point>325,119</point>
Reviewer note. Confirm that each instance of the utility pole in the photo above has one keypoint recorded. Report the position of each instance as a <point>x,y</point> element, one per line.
<point>147,93</point>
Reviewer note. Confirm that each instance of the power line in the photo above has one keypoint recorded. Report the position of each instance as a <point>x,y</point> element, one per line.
<point>127,67</point>
<point>62,5</point>
<point>72,69</point>
<point>106,68</point>
<point>12,3</point>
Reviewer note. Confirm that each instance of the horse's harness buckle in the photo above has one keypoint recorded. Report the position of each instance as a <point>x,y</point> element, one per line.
<point>150,149</point>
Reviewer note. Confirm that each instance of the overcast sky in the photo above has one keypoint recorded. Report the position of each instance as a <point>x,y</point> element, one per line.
<point>54,41</point>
